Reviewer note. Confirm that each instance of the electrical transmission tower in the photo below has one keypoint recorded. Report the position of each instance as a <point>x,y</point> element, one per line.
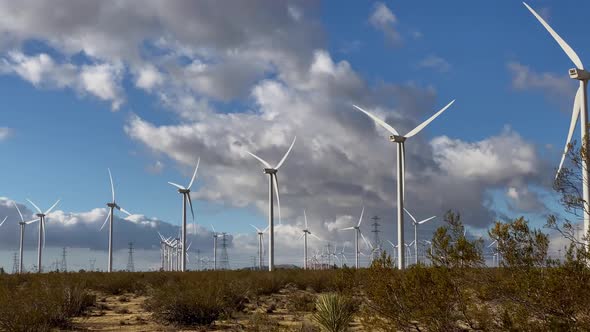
<point>376,240</point>
<point>91,263</point>
<point>224,259</point>
<point>15,263</point>
<point>64,263</point>
<point>130,265</point>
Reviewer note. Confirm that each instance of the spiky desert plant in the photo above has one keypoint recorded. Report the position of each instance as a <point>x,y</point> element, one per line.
<point>334,312</point>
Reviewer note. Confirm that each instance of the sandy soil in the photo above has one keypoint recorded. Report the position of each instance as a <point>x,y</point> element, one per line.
<point>276,312</point>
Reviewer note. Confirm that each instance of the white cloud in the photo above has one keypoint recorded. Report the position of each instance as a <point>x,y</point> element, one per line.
<point>5,133</point>
<point>383,19</point>
<point>103,81</point>
<point>436,63</point>
<point>148,77</point>
<point>557,86</point>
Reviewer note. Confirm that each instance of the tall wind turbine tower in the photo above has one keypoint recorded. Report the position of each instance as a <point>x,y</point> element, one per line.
<point>306,232</point>
<point>357,232</point>
<point>416,223</point>
<point>41,218</point>
<point>186,196</point>
<point>215,236</point>
<point>110,218</point>
<point>260,245</point>
<point>401,166</point>
<point>22,223</point>
<point>580,109</point>
<point>273,182</point>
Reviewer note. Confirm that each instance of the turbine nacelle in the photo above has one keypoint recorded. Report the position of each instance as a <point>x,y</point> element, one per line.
<point>40,215</point>
<point>184,191</point>
<point>579,74</point>
<point>270,171</point>
<point>397,138</point>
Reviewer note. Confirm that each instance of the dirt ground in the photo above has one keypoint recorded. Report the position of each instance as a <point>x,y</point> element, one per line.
<point>276,312</point>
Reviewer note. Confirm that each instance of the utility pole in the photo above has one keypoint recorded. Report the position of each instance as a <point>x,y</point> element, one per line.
<point>15,263</point>
<point>377,249</point>
<point>130,265</point>
<point>64,264</point>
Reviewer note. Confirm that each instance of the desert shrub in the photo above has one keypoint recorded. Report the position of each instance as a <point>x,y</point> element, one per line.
<point>40,305</point>
<point>334,312</point>
<point>187,303</point>
<point>301,302</point>
<point>260,322</point>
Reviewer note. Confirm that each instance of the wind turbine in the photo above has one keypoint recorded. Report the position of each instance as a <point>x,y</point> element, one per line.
<point>580,109</point>
<point>215,236</point>
<point>408,246</point>
<point>306,232</point>
<point>41,219</point>
<point>401,169</point>
<point>110,217</point>
<point>342,255</point>
<point>186,195</point>
<point>394,247</point>
<point>273,181</point>
<point>260,244</point>
<point>22,223</point>
<point>416,223</point>
<point>358,232</point>
<point>497,254</point>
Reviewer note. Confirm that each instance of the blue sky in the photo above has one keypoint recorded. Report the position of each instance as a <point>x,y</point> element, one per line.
<point>64,131</point>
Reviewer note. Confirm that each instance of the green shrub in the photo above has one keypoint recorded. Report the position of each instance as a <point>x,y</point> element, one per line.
<point>334,312</point>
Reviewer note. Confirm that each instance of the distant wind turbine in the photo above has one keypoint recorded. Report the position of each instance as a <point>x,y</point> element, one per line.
<point>22,223</point>
<point>110,217</point>
<point>260,244</point>
<point>358,232</point>
<point>401,165</point>
<point>306,232</point>
<point>580,109</point>
<point>416,223</point>
<point>186,196</point>
<point>273,182</point>
<point>41,218</point>
<point>215,236</point>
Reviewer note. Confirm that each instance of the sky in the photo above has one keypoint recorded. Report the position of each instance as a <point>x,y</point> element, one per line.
<point>146,90</point>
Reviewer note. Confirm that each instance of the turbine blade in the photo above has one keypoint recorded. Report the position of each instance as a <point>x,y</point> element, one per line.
<point>2,223</point>
<point>177,185</point>
<point>260,159</point>
<point>112,185</point>
<point>190,202</point>
<point>570,133</point>
<point>276,184</point>
<point>286,154</point>
<point>425,123</point>
<point>266,229</point>
<point>393,245</point>
<point>347,228</point>
<point>425,220</point>
<point>378,121</point>
<point>36,207</point>
<point>214,232</point>
<point>491,244</point>
<point>317,237</point>
<point>17,209</point>
<point>564,46</point>
<point>256,228</point>
<point>411,216</point>
<point>301,237</point>
<point>43,227</point>
<point>369,245</point>
<point>124,211</point>
<point>403,147</point>
<point>107,219</point>
<point>305,217</point>
<point>194,174</point>
<point>31,221</point>
<point>361,217</point>
<point>51,208</point>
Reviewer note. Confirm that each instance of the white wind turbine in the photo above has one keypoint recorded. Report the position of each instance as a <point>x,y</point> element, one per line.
<point>186,196</point>
<point>215,236</point>
<point>394,247</point>
<point>110,218</point>
<point>408,246</point>
<point>273,182</point>
<point>580,109</point>
<point>342,255</point>
<point>260,244</point>
<point>22,223</point>
<point>41,218</point>
<point>358,232</point>
<point>401,169</point>
<point>496,255</point>
<point>416,223</point>
<point>306,232</point>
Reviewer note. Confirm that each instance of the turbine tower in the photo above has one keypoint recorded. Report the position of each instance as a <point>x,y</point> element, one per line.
<point>186,196</point>
<point>215,236</point>
<point>401,169</point>
<point>306,232</point>
<point>580,109</point>
<point>416,223</point>
<point>273,181</point>
<point>260,245</point>
<point>358,232</point>
<point>41,219</point>
<point>110,218</point>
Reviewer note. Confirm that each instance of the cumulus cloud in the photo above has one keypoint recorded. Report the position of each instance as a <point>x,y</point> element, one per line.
<point>5,133</point>
<point>556,86</point>
<point>383,19</point>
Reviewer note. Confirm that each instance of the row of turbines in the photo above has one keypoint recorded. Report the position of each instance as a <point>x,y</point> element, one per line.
<point>174,255</point>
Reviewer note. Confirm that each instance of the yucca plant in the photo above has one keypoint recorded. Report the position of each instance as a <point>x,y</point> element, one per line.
<point>334,312</point>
